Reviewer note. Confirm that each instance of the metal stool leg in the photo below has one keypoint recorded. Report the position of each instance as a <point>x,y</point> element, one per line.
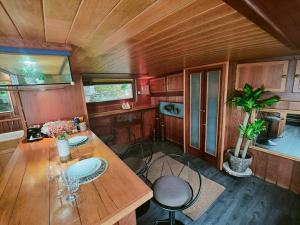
<point>170,221</point>
<point>172,217</point>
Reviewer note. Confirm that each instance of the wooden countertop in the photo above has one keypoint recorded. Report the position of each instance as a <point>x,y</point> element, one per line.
<point>27,197</point>
<point>121,111</point>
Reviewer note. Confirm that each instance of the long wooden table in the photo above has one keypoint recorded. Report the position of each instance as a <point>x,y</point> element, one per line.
<point>27,197</point>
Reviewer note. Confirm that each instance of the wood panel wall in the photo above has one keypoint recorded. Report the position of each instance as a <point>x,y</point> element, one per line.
<point>65,103</point>
<point>276,169</point>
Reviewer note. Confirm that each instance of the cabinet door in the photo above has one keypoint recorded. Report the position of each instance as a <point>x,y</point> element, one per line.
<point>271,75</point>
<point>148,122</point>
<point>158,85</point>
<point>175,82</point>
<point>297,78</point>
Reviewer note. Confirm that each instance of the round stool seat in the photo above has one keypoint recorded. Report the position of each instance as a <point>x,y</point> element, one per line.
<point>172,191</point>
<point>107,139</point>
<point>137,165</point>
<point>119,149</point>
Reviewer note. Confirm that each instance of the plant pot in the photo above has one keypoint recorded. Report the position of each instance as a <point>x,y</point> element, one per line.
<point>238,164</point>
<point>63,149</point>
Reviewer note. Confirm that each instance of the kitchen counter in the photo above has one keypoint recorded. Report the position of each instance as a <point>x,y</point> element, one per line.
<point>121,111</point>
<point>27,196</point>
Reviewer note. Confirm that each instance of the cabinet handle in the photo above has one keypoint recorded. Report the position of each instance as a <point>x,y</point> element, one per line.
<point>296,75</point>
<point>283,76</point>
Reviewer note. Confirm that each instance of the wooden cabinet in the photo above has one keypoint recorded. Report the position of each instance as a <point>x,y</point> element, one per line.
<point>271,75</point>
<point>158,85</point>
<point>296,87</point>
<point>7,148</point>
<point>175,83</point>
<point>148,122</point>
<point>174,129</point>
<point>123,125</point>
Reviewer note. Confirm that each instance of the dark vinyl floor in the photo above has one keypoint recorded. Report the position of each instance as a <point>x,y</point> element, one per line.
<point>246,201</point>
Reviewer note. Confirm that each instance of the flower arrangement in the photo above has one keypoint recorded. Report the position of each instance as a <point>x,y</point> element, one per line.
<point>58,129</point>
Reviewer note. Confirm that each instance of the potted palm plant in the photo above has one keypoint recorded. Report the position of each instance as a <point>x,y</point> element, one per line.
<point>248,100</point>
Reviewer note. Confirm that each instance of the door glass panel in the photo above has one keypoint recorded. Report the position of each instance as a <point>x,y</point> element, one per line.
<point>213,81</point>
<point>195,110</point>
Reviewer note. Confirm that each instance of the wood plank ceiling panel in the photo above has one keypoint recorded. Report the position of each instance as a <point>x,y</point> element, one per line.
<point>213,49</point>
<point>216,29</point>
<point>7,28</point>
<point>208,55</point>
<point>161,22</point>
<point>205,32</point>
<point>58,18</point>
<point>90,15</point>
<point>156,13</point>
<point>120,15</point>
<point>27,16</point>
<point>140,36</point>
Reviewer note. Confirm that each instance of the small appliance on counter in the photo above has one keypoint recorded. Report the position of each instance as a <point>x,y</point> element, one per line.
<point>76,122</point>
<point>34,133</point>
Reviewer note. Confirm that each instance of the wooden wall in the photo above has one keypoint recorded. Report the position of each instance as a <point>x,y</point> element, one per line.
<point>277,170</point>
<point>282,171</point>
<point>65,103</point>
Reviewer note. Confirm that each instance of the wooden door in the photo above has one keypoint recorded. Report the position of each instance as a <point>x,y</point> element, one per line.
<point>271,75</point>
<point>297,78</point>
<point>203,114</point>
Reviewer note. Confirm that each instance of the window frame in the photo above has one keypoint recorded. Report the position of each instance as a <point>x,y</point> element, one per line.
<point>110,102</point>
<point>276,153</point>
<point>11,105</point>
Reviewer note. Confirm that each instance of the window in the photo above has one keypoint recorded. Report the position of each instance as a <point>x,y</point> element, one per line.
<point>282,132</point>
<point>108,92</point>
<point>5,102</point>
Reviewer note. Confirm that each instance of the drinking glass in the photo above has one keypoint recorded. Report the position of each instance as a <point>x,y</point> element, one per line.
<point>72,185</point>
<point>54,174</point>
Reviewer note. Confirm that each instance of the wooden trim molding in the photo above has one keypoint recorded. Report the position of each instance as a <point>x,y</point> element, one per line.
<point>262,18</point>
<point>296,87</point>
<point>21,43</point>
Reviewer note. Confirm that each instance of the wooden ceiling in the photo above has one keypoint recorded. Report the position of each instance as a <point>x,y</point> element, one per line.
<point>139,36</point>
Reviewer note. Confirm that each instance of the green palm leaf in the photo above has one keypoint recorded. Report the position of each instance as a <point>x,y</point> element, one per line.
<point>250,99</point>
<point>252,130</point>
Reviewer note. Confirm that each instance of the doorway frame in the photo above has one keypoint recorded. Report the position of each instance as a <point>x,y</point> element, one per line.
<point>224,67</point>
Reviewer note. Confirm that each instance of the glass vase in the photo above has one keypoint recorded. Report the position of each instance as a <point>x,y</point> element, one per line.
<point>63,149</point>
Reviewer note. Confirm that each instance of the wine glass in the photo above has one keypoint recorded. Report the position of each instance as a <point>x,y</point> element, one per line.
<point>54,174</point>
<point>72,185</point>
